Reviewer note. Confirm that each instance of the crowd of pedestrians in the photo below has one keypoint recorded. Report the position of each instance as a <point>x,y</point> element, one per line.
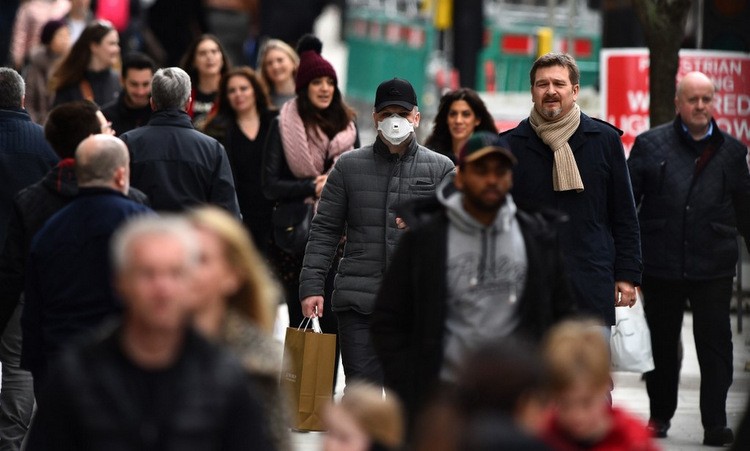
<point>153,219</point>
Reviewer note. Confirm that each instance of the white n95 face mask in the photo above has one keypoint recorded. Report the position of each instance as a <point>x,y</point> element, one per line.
<point>395,129</point>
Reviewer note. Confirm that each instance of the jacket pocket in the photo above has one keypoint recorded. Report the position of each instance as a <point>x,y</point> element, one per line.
<point>421,187</point>
<point>724,230</point>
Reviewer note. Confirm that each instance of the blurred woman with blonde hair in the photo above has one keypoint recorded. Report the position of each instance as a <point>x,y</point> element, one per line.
<point>278,63</point>
<point>237,299</point>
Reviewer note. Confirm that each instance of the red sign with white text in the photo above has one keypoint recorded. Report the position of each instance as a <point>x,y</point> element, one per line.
<point>625,89</point>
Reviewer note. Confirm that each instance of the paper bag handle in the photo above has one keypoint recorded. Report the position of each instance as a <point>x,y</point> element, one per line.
<point>313,322</point>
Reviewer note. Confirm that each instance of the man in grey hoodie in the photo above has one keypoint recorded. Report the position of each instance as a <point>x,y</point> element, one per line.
<point>476,270</point>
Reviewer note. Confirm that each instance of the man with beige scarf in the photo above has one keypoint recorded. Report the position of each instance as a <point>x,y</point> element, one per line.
<point>575,164</point>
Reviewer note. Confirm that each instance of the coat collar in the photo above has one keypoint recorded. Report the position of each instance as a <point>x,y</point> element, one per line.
<point>716,139</point>
<point>382,149</point>
<point>15,114</point>
<point>172,117</point>
<point>524,130</point>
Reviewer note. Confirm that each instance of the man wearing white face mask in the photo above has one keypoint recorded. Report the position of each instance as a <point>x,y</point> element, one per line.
<point>363,192</point>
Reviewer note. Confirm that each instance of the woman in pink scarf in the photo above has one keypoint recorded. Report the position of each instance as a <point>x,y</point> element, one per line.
<point>304,142</point>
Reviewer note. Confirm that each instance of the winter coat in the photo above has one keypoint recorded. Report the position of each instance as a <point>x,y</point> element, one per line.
<point>69,282</point>
<point>246,160</point>
<point>408,322</point>
<point>32,207</point>
<point>25,156</point>
<point>39,99</point>
<point>600,241</point>
<point>362,195</point>
<point>179,167</point>
<point>279,183</point>
<point>105,85</point>
<point>627,432</point>
<point>123,117</point>
<point>201,402</point>
<point>690,221</point>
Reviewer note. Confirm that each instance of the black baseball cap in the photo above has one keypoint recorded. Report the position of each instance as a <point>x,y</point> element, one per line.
<point>481,144</point>
<point>395,92</point>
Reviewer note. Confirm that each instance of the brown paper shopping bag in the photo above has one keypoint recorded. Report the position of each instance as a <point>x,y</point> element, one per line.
<point>308,375</point>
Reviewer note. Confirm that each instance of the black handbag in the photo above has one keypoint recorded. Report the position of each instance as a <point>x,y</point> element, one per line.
<point>291,225</point>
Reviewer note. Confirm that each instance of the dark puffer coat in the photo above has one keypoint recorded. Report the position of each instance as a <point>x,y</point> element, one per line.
<point>362,195</point>
<point>689,221</point>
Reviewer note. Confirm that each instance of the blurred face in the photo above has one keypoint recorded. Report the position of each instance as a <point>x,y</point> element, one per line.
<point>344,434</point>
<point>461,120</point>
<point>60,43</point>
<point>583,412</point>
<point>213,278</point>
<point>155,284</point>
<point>240,94</point>
<point>279,66</point>
<point>138,87</point>
<point>552,93</point>
<point>694,103</point>
<point>107,52</point>
<point>485,182</point>
<point>208,59</point>
<point>320,92</point>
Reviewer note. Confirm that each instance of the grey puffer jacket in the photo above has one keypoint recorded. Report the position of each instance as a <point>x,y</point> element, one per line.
<point>362,195</point>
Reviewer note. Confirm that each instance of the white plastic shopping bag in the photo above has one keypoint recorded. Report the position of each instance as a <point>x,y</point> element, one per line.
<point>631,340</point>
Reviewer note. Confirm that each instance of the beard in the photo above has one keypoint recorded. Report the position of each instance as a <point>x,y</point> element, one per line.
<point>482,204</point>
<point>551,113</point>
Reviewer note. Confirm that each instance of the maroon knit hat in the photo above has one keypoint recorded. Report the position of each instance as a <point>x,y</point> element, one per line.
<point>311,64</point>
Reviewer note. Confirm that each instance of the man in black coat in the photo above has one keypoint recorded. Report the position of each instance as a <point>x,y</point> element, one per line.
<point>131,109</point>
<point>69,288</point>
<point>575,164</point>
<point>476,270</point>
<point>151,383</point>
<point>24,154</point>
<point>173,163</point>
<point>693,186</point>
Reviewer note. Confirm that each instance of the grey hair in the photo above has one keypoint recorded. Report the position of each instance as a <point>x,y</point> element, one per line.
<point>170,88</point>
<point>96,163</point>
<point>171,226</point>
<point>12,88</point>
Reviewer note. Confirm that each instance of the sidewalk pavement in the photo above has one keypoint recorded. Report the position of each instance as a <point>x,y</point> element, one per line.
<point>686,433</point>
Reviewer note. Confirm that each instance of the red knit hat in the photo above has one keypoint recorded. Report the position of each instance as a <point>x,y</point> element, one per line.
<point>311,64</point>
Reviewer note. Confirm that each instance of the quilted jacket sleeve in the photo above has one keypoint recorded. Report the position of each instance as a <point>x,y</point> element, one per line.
<point>325,234</point>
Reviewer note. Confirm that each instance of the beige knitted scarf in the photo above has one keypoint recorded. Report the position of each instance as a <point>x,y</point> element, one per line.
<point>565,175</point>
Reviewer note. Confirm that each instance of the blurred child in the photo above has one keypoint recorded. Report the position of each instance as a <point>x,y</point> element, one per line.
<point>577,356</point>
<point>364,421</point>
<point>500,401</point>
